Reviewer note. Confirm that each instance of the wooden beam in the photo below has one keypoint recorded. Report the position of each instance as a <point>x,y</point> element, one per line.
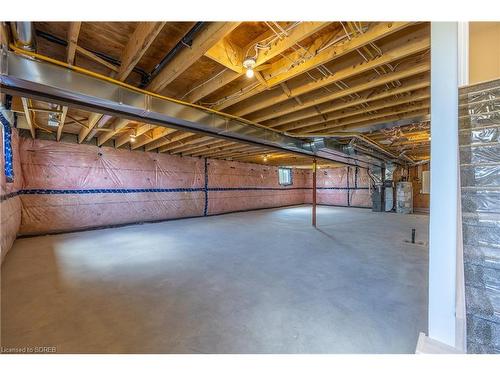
<point>289,106</point>
<point>73,32</point>
<point>212,85</point>
<point>338,115</point>
<point>378,31</point>
<point>261,79</point>
<point>278,160</point>
<point>227,54</point>
<point>173,137</point>
<point>410,47</point>
<point>96,58</point>
<point>241,154</point>
<point>187,143</point>
<point>298,33</point>
<point>391,118</point>
<point>261,152</point>
<point>200,143</point>
<point>62,120</point>
<point>286,90</point>
<point>283,69</point>
<point>326,108</point>
<point>138,43</point>
<point>46,110</point>
<point>205,40</point>
<point>303,31</point>
<point>137,132</point>
<point>26,104</point>
<point>356,122</point>
<point>116,127</point>
<point>151,136</point>
<point>221,149</point>
<point>74,120</point>
<point>180,143</point>
<point>92,121</point>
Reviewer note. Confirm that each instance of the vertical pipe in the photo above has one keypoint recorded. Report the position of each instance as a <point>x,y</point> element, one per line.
<point>205,210</point>
<point>314,194</point>
<point>444,182</point>
<point>348,188</point>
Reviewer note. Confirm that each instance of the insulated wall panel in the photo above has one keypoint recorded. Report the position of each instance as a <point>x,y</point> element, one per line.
<point>68,212</point>
<point>69,186</point>
<point>234,186</point>
<point>360,196</point>
<point>479,129</point>
<point>343,186</point>
<point>10,204</point>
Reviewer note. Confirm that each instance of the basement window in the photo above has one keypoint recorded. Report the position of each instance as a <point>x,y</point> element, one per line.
<point>285,176</point>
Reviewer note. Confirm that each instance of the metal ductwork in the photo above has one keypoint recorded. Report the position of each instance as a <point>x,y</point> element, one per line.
<point>56,82</point>
<point>319,144</point>
<point>373,148</point>
<point>23,34</point>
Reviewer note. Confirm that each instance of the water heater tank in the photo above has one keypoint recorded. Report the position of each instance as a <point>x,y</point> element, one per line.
<point>404,198</point>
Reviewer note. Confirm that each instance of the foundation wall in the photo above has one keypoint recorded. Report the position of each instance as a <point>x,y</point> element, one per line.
<point>343,186</point>
<point>70,187</point>
<point>237,186</point>
<point>65,187</point>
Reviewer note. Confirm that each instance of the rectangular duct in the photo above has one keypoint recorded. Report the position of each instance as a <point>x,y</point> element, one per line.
<point>50,82</point>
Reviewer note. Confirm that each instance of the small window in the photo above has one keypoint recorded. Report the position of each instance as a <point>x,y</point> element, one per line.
<point>285,176</point>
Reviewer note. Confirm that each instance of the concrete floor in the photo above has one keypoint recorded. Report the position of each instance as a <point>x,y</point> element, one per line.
<point>256,282</point>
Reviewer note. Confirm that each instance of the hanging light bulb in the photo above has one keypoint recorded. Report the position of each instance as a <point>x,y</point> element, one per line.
<point>132,137</point>
<point>249,65</point>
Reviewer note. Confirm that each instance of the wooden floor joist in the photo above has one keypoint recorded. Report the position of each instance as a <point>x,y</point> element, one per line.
<point>417,46</point>
<point>308,77</point>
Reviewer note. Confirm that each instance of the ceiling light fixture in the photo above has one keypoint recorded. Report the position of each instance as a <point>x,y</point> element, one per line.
<point>249,65</point>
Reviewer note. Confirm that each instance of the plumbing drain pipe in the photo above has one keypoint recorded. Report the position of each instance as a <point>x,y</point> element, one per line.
<point>185,42</point>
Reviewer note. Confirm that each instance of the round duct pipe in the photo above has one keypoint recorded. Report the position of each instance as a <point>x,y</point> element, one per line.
<point>24,35</point>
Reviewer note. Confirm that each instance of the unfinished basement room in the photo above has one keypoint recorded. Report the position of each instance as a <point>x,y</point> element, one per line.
<point>249,187</point>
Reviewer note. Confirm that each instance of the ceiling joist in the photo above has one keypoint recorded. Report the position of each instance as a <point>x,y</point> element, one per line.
<point>205,40</point>
<point>73,33</point>
<point>284,70</point>
<point>387,84</point>
<point>302,31</point>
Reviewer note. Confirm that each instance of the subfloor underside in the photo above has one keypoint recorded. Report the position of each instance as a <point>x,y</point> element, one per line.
<point>255,282</point>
